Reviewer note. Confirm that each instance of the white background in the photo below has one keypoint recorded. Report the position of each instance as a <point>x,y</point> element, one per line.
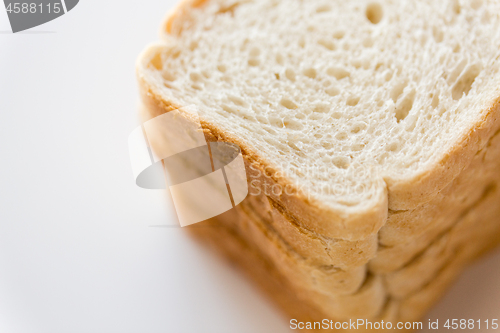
<point>78,248</point>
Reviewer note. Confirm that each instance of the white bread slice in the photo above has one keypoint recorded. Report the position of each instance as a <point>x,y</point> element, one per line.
<point>357,106</point>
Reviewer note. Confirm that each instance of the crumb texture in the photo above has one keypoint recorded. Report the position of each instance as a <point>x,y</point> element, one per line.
<point>337,94</point>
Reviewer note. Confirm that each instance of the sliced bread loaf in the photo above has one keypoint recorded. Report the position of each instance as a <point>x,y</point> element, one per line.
<point>369,135</point>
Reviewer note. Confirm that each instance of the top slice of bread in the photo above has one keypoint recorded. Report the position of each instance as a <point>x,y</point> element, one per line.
<point>351,107</point>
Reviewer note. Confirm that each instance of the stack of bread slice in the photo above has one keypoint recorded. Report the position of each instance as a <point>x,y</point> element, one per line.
<point>369,131</point>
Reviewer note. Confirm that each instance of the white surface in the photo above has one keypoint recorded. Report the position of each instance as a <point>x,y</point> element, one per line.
<point>77,250</point>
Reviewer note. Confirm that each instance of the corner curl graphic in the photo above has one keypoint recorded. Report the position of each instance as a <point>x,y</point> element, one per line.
<point>28,14</point>
<point>205,180</point>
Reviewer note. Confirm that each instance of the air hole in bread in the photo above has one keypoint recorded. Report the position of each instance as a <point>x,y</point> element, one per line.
<point>397,90</point>
<point>388,76</point>
<point>381,159</point>
<point>456,71</point>
<point>357,147</point>
<point>465,81</point>
<point>456,7</point>
<point>293,124</point>
<point>341,162</point>
<point>300,115</point>
<point>337,72</point>
<point>323,9</point>
<point>195,77</point>
<point>475,4</point>
<point>221,68</point>
<point>341,136</point>
<point>290,74</point>
<point>193,45</point>
<point>310,72</point>
<point>352,101</point>
<point>435,100</point>
<point>338,34</point>
<point>261,119</point>
<point>358,128</point>
<point>356,63</point>
<point>157,62</point>
<point>228,9</point>
<point>206,74</point>
<point>279,59</point>
<point>295,145</point>
<point>275,121</point>
<point>269,129</point>
<point>228,108</point>
<point>327,145</point>
<point>302,42</point>
<point>328,44</point>
<point>321,108</point>
<point>176,54</point>
<point>237,100</point>
<point>168,85</point>
<point>437,34</point>
<point>336,115</point>
<point>404,107</point>
<point>332,91</point>
<point>253,62</point>
<point>393,147</point>
<point>255,52</point>
<point>316,116</point>
<point>168,76</point>
<point>289,104</point>
<point>197,86</point>
<point>374,12</point>
<point>368,42</point>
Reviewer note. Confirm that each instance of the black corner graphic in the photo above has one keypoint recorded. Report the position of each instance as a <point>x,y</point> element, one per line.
<point>70,4</point>
<point>32,13</point>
